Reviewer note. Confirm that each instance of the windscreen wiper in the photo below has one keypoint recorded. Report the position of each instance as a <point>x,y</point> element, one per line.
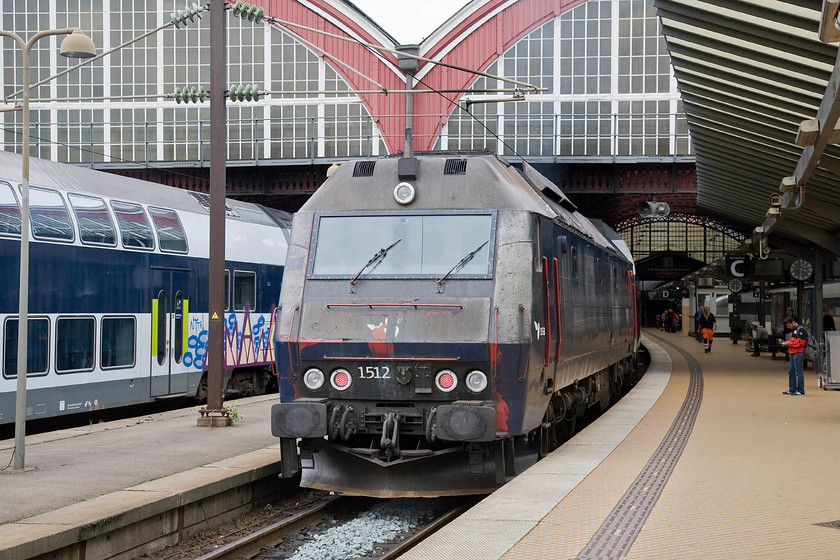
<point>375,259</point>
<point>467,258</point>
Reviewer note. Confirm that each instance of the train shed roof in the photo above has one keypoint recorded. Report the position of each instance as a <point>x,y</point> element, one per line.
<point>750,72</point>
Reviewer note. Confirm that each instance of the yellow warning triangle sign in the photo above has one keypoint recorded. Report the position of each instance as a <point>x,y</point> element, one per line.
<point>215,315</point>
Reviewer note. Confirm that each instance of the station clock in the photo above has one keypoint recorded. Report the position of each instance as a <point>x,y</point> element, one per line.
<point>801,269</point>
<point>735,286</point>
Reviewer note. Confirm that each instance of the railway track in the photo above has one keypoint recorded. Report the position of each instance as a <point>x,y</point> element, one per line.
<point>289,537</point>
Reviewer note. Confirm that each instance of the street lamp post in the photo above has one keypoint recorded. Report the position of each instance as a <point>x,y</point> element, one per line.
<point>75,45</point>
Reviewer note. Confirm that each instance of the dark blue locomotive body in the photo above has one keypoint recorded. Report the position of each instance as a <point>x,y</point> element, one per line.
<point>440,326</point>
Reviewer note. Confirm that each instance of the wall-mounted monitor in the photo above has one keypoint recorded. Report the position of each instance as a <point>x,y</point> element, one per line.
<point>768,268</point>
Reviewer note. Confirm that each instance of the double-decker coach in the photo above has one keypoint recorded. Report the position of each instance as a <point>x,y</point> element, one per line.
<point>118,293</point>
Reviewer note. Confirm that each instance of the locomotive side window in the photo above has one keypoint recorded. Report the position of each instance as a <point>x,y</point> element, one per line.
<point>50,218</point>
<point>95,224</point>
<point>411,245</point>
<point>171,235</point>
<point>9,211</point>
<point>244,290</point>
<point>135,231</point>
<point>574,262</point>
<point>118,335</point>
<point>37,357</point>
<point>74,344</point>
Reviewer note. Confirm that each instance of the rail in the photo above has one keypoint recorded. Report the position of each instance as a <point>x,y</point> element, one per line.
<point>251,545</point>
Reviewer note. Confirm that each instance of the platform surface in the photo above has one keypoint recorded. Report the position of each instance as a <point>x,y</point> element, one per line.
<point>71,466</point>
<point>754,480</point>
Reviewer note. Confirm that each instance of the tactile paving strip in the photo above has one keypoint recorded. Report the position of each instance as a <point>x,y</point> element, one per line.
<point>616,535</point>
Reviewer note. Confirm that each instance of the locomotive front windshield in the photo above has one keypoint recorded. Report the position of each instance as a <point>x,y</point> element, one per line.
<point>404,245</point>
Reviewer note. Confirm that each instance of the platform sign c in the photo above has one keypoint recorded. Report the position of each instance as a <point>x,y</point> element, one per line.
<point>737,266</point>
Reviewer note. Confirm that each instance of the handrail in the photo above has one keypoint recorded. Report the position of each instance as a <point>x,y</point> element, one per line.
<point>557,301</point>
<point>547,342</point>
<point>414,305</point>
<point>395,358</point>
<point>300,139</point>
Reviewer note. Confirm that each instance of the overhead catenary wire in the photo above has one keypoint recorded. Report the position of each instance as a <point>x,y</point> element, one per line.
<point>404,54</point>
<point>517,92</point>
<point>87,61</point>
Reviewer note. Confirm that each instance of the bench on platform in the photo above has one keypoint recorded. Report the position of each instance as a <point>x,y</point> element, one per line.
<point>772,346</point>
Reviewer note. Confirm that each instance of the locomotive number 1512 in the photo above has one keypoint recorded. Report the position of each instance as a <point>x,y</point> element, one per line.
<point>374,372</point>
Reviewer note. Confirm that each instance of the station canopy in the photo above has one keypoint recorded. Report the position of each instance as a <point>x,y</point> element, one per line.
<point>761,94</point>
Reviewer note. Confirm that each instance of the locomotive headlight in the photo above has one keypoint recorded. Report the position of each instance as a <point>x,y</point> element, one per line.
<point>341,379</point>
<point>404,193</point>
<point>313,379</point>
<point>476,381</point>
<point>446,380</point>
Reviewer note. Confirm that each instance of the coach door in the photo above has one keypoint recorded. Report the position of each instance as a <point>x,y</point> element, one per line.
<point>170,315</point>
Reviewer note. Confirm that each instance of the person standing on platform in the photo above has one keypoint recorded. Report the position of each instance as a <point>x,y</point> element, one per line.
<point>708,326</point>
<point>796,351</point>
<point>785,330</point>
<point>697,334</point>
<point>828,321</point>
<point>667,319</point>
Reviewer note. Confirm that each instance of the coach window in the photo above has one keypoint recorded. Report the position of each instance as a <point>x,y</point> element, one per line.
<point>135,231</point>
<point>227,290</point>
<point>95,224</point>
<point>74,344</point>
<point>118,335</point>
<point>9,211</point>
<point>50,218</point>
<point>37,358</point>
<point>159,326</point>
<point>178,334</point>
<point>244,290</point>
<point>171,235</point>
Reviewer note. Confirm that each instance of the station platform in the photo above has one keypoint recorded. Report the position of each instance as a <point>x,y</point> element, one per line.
<point>705,458</point>
<point>84,482</point>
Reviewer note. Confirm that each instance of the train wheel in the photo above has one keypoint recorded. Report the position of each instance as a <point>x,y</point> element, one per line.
<point>548,432</point>
<point>566,428</point>
<point>201,390</point>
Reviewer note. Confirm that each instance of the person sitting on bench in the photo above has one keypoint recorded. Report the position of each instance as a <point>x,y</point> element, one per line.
<point>760,336</point>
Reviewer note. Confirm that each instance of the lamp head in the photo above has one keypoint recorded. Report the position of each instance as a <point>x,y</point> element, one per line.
<point>78,45</point>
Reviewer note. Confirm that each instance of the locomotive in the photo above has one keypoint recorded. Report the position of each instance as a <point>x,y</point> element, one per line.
<point>444,321</point>
<point>118,307</point>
